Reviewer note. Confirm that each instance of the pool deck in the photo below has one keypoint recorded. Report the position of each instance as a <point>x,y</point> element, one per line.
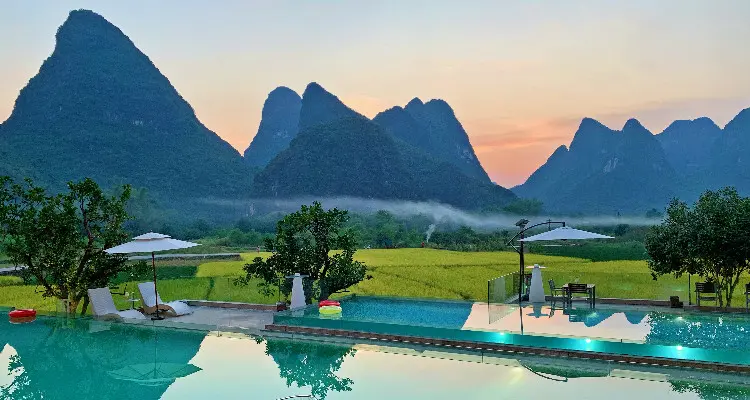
<point>213,318</point>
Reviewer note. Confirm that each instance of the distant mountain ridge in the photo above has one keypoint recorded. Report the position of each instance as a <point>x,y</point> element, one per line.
<point>339,152</point>
<point>688,144</point>
<point>633,170</point>
<point>279,124</point>
<point>433,128</point>
<point>99,108</point>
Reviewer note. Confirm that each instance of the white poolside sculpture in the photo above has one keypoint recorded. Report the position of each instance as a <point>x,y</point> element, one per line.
<point>298,292</point>
<point>536,291</point>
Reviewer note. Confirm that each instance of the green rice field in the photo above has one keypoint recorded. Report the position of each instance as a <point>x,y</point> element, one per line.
<point>426,273</point>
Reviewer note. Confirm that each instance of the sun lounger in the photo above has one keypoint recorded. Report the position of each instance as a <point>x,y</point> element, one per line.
<point>149,301</point>
<point>104,307</point>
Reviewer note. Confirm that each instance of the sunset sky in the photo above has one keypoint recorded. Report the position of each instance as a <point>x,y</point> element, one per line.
<point>519,74</point>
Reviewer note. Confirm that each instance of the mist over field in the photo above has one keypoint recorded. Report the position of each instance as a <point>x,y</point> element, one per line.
<point>438,213</point>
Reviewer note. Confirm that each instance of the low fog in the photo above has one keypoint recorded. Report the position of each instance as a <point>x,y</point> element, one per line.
<point>437,212</point>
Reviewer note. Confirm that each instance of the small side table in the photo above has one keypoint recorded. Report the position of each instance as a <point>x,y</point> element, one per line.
<point>132,302</point>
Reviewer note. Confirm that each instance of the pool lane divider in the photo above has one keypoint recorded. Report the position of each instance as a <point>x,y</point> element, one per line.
<point>585,348</point>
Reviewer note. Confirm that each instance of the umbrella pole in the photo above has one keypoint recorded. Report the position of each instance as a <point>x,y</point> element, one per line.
<point>156,293</point>
<point>520,273</point>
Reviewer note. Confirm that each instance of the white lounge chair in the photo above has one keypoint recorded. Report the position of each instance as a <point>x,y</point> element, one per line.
<point>149,301</point>
<point>104,307</point>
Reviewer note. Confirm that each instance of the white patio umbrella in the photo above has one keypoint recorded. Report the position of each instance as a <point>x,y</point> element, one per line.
<point>562,233</point>
<point>565,233</point>
<point>149,243</point>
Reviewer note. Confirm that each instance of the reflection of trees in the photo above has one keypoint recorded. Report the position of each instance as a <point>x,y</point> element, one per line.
<point>704,331</point>
<point>67,359</point>
<point>712,390</point>
<point>21,387</point>
<point>311,364</point>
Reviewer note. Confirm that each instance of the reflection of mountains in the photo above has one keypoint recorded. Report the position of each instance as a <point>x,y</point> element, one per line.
<point>70,359</point>
<point>588,317</point>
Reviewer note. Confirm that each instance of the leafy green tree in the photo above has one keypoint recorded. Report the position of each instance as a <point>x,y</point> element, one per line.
<point>526,207</point>
<point>303,244</point>
<point>711,239</point>
<point>386,229</point>
<point>61,238</point>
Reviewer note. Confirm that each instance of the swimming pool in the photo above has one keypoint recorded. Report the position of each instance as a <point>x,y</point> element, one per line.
<point>414,312</point>
<point>705,337</point>
<point>84,359</point>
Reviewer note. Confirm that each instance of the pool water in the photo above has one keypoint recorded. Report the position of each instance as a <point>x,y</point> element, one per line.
<point>619,324</point>
<point>83,359</point>
<point>437,314</point>
<point>625,324</point>
<point>706,337</point>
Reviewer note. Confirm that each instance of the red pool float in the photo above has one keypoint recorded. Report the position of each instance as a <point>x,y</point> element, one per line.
<point>22,316</point>
<point>329,303</point>
<point>22,313</point>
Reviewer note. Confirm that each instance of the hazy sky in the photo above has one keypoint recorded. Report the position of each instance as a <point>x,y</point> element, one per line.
<point>519,74</point>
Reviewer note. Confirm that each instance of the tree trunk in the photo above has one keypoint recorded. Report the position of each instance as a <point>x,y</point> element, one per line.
<point>85,305</point>
<point>732,285</point>
<point>73,306</point>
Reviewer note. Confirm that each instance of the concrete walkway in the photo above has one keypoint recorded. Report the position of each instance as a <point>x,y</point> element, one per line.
<point>212,318</point>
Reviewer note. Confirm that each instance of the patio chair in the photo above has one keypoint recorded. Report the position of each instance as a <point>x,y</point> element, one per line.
<point>103,306</point>
<point>556,292</point>
<point>747,297</point>
<point>147,290</point>
<point>706,291</point>
<point>579,288</point>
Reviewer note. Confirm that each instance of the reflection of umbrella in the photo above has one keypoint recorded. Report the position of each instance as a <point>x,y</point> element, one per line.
<point>154,374</point>
<point>150,243</point>
<point>565,233</point>
<point>595,318</point>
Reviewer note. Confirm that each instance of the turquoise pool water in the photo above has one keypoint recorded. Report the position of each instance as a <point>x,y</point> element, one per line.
<point>437,314</point>
<point>719,338</point>
<point>83,359</point>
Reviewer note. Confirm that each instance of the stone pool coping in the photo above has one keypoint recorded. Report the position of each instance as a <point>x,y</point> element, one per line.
<point>238,305</point>
<point>507,348</point>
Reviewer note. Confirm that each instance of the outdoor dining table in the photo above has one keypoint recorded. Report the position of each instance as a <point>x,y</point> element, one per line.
<point>589,286</point>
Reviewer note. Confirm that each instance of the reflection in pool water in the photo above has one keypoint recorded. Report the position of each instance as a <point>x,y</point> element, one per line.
<point>64,359</point>
<point>699,330</point>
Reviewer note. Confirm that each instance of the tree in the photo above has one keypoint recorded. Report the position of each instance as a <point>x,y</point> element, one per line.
<point>525,207</point>
<point>386,229</point>
<point>61,238</point>
<point>711,240</point>
<point>303,244</point>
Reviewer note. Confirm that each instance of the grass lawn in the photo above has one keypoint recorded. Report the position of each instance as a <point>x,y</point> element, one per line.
<point>396,272</point>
